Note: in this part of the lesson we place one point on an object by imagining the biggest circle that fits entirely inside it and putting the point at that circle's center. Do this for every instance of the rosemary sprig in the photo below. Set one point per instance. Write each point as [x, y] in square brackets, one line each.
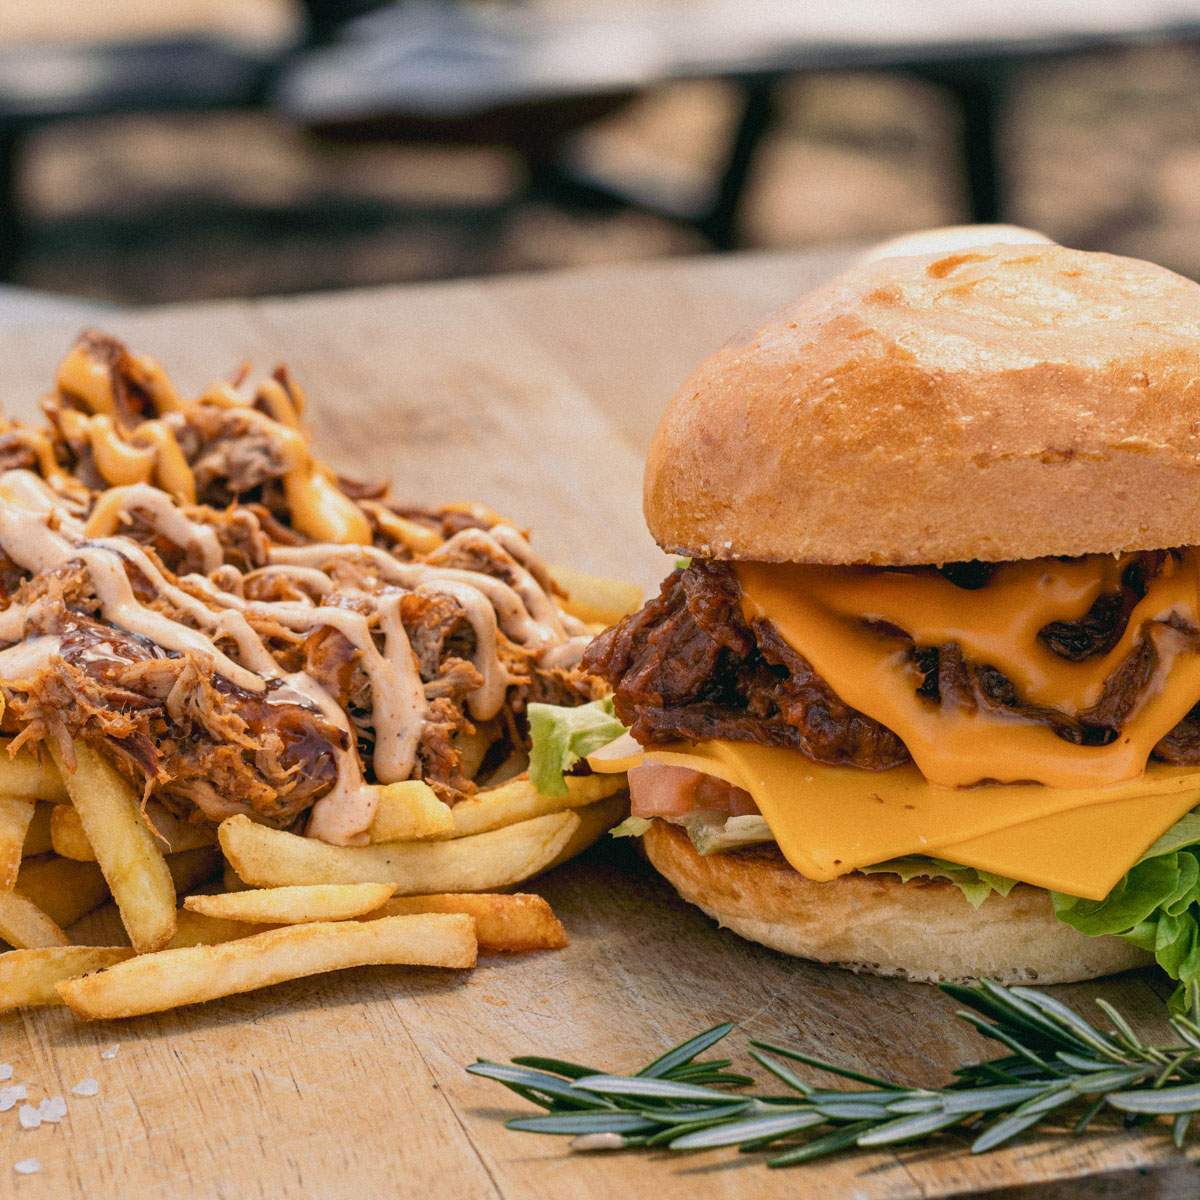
[1056, 1063]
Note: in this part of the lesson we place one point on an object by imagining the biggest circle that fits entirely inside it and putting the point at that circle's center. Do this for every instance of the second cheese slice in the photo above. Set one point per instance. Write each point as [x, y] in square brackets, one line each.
[831, 820]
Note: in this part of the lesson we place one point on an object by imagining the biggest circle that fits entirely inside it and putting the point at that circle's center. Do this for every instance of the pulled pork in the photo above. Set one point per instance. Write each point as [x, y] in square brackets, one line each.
[170, 719]
[689, 666]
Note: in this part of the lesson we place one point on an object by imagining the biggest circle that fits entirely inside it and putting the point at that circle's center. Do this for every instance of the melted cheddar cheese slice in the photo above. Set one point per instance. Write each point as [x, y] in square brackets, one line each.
[826, 615]
[830, 820]
[988, 787]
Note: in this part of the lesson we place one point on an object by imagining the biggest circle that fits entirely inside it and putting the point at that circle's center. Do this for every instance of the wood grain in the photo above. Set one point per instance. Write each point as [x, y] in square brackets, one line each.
[537, 396]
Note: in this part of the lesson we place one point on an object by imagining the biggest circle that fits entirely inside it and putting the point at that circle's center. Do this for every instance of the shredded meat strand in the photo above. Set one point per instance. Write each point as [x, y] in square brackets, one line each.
[689, 666]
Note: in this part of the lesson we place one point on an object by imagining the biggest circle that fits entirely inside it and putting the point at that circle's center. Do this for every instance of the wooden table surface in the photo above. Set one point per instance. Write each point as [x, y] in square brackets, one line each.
[537, 396]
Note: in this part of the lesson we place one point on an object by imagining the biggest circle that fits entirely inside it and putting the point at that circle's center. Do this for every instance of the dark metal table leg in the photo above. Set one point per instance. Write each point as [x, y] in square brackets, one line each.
[720, 222]
[979, 92]
[10, 202]
[981, 103]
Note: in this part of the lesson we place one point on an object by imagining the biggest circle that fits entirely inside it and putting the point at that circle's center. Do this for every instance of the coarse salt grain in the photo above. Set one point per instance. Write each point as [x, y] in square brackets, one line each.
[29, 1117]
[86, 1087]
[52, 1110]
[10, 1095]
[5, 1070]
[27, 1166]
[111, 1052]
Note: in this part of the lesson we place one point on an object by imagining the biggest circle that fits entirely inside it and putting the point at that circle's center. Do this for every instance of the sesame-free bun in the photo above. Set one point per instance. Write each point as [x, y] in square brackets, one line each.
[923, 930]
[997, 402]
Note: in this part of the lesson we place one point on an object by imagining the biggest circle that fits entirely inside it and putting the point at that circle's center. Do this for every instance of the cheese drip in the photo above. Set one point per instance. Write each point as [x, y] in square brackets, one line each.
[826, 613]
[150, 451]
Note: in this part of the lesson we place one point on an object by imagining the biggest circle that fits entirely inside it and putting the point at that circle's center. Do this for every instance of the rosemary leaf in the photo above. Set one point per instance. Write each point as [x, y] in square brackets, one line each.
[686, 1051]
[1054, 1060]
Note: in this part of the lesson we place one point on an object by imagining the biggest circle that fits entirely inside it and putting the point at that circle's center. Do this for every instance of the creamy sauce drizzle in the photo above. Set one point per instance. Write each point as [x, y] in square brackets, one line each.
[39, 532]
[155, 507]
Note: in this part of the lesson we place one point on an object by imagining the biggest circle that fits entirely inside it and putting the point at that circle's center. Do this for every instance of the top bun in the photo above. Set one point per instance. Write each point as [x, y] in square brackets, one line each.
[998, 402]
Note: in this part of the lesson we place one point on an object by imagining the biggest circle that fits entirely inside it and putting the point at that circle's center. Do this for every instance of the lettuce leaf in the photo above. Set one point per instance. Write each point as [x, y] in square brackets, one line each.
[711, 830]
[631, 827]
[976, 885]
[1155, 906]
[714, 832]
[560, 737]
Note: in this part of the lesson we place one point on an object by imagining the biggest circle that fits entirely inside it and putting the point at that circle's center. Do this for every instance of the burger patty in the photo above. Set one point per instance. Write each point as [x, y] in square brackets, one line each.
[689, 666]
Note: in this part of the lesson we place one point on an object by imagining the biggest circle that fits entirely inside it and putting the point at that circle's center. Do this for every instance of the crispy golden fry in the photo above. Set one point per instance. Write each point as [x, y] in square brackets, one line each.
[270, 858]
[594, 822]
[502, 923]
[408, 811]
[595, 599]
[24, 775]
[67, 836]
[63, 889]
[472, 747]
[176, 835]
[15, 818]
[517, 800]
[28, 977]
[515, 764]
[126, 850]
[231, 881]
[295, 905]
[195, 929]
[170, 978]
[190, 868]
[25, 926]
[37, 836]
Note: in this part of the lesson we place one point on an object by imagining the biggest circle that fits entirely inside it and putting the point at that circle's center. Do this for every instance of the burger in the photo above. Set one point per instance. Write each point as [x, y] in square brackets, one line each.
[922, 695]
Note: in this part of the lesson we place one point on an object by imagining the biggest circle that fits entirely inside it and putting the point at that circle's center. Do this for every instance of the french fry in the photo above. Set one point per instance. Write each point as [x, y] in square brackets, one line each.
[512, 922]
[63, 889]
[231, 881]
[408, 811]
[595, 599]
[271, 858]
[67, 836]
[192, 975]
[472, 747]
[295, 905]
[594, 822]
[190, 868]
[24, 926]
[515, 764]
[176, 835]
[15, 817]
[126, 850]
[195, 929]
[37, 836]
[518, 800]
[23, 775]
[28, 977]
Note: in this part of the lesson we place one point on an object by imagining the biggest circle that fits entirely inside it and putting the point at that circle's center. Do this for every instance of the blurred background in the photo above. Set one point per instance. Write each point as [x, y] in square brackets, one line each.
[185, 149]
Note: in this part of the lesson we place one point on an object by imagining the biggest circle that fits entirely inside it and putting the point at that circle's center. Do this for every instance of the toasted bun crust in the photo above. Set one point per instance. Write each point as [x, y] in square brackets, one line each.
[999, 402]
[922, 930]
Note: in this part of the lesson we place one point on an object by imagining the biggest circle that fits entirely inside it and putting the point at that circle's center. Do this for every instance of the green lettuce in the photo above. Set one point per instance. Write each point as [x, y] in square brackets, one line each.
[631, 827]
[976, 885]
[560, 737]
[1155, 906]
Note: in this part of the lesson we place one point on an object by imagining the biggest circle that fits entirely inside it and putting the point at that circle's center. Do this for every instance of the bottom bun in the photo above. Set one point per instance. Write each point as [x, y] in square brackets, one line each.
[923, 930]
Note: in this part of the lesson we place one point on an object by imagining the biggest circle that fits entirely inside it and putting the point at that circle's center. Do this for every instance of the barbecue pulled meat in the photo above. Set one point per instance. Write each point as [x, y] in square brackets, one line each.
[689, 666]
[180, 729]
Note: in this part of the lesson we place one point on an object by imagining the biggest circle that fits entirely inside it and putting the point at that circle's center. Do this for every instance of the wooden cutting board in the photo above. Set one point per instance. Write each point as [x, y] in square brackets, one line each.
[537, 396]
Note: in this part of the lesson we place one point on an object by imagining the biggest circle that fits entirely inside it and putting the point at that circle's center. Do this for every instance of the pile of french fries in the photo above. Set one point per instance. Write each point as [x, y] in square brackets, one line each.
[424, 892]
